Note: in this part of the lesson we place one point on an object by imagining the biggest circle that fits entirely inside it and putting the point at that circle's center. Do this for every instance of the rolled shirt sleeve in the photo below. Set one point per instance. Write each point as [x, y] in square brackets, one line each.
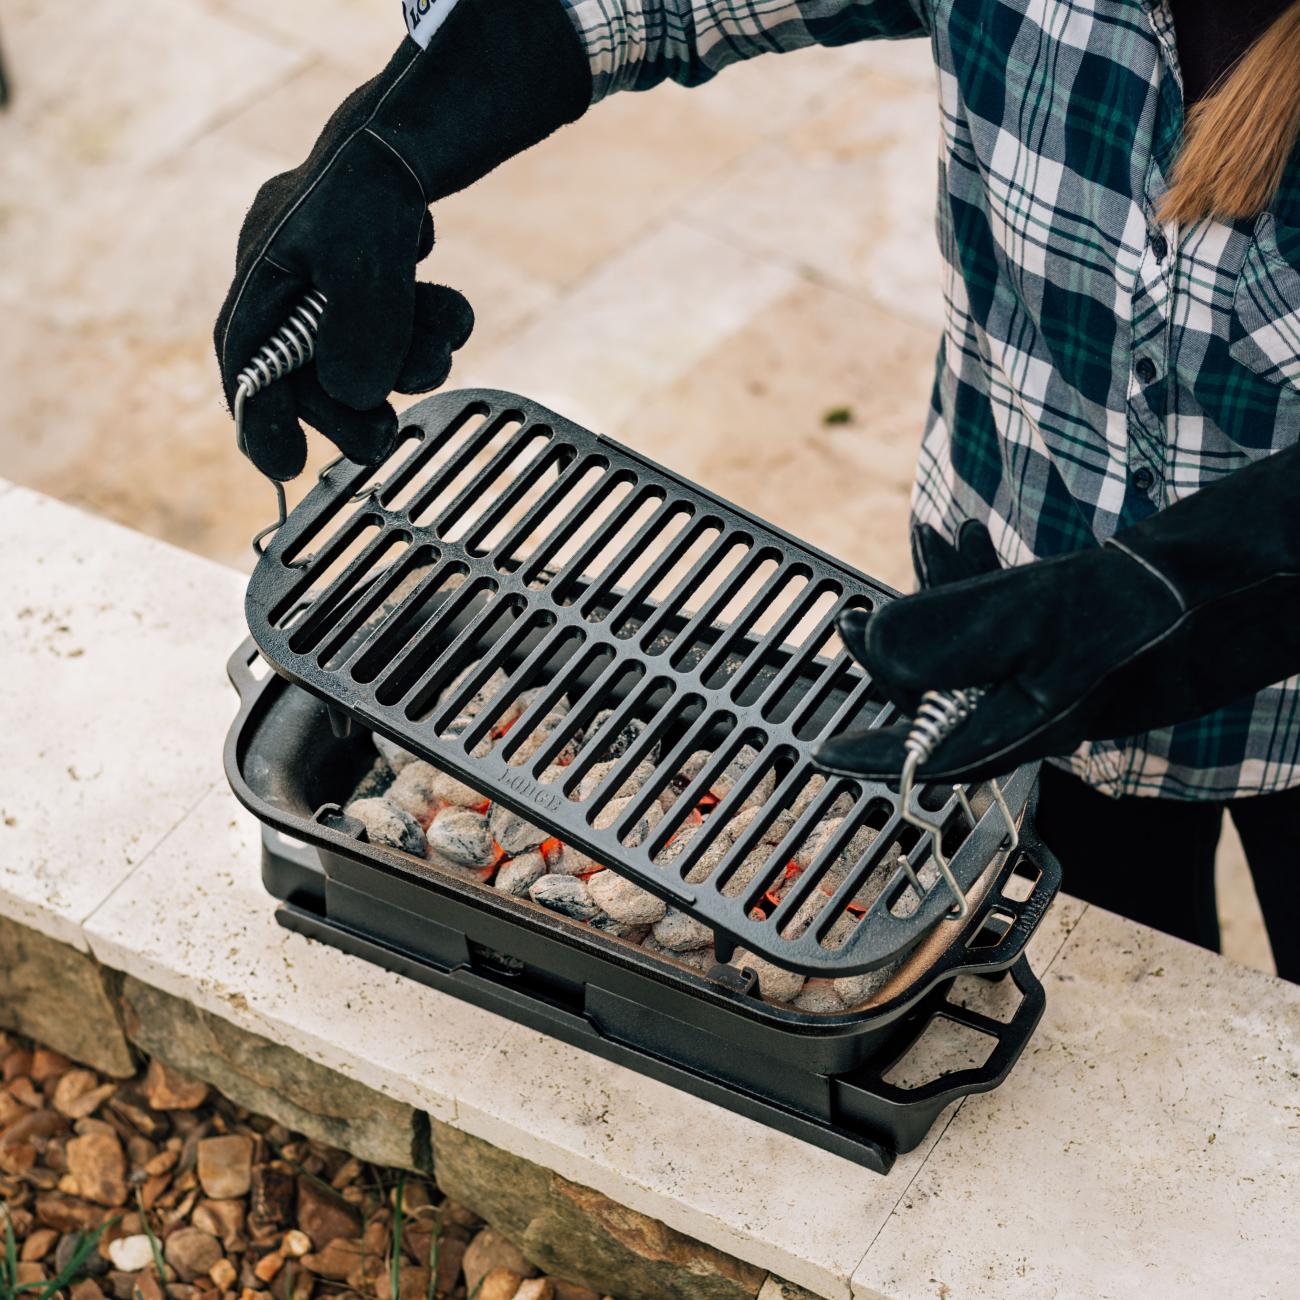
[636, 44]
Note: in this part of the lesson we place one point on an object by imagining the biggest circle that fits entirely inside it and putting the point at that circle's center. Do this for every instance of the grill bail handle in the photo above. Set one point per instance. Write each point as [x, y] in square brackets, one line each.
[290, 348]
[940, 714]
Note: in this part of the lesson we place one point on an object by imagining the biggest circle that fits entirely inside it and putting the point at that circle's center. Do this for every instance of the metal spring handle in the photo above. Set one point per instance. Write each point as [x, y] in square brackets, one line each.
[290, 348]
[939, 714]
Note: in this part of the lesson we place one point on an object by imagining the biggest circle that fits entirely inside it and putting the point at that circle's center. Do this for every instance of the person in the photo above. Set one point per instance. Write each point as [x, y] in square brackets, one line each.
[1107, 504]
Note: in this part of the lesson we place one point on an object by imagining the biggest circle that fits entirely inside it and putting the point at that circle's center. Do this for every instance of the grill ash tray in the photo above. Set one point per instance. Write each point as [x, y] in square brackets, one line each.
[829, 1079]
[537, 610]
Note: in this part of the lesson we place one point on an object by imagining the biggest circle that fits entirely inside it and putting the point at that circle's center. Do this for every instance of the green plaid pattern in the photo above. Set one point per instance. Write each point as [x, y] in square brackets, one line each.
[1095, 367]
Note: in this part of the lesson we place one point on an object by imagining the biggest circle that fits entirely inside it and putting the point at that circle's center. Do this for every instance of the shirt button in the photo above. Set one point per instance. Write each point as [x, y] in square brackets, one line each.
[1143, 479]
[1159, 246]
[1145, 370]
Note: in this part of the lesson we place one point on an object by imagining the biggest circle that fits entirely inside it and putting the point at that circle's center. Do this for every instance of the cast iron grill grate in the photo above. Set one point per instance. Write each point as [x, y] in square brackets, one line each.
[602, 646]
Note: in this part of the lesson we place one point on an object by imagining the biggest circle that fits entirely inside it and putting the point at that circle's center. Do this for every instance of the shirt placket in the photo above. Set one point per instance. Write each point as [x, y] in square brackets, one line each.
[1150, 358]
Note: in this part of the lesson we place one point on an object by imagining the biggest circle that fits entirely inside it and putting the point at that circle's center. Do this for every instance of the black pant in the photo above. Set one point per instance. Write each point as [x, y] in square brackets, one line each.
[1152, 860]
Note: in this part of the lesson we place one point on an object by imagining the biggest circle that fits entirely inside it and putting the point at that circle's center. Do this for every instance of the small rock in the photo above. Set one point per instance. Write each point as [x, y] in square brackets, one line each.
[225, 1166]
[168, 1089]
[490, 1250]
[191, 1252]
[86, 1289]
[69, 1090]
[97, 1165]
[512, 832]
[572, 1291]
[774, 983]
[388, 824]
[412, 1283]
[462, 836]
[323, 1216]
[223, 1274]
[625, 901]
[68, 1214]
[268, 1266]
[539, 1288]
[39, 1244]
[296, 1243]
[131, 1254]
[48, 1064]
[564, 894]
[29, 1273]
[498, 1284]
[93, 1264]
[680, 932]
[516, 876]
[273, 1195]
[147, 1287]
[337, 1261]
[451, 1254]
[392, 753]
[223, 1219]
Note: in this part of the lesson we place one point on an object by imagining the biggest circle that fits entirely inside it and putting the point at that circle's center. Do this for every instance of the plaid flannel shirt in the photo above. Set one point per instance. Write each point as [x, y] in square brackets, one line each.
[1095, 366]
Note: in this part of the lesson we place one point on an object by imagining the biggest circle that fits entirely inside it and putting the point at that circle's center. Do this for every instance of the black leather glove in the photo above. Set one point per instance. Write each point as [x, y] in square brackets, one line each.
[352, 222]
[1193, 608]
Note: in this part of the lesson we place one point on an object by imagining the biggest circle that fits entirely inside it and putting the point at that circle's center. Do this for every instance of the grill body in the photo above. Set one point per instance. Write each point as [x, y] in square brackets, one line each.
[821, 1078]
[501, 542]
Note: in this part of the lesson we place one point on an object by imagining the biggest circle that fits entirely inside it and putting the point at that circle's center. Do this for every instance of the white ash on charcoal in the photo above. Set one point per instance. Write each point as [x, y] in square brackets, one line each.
[462, 836]
[625, 901]
[413, 791]
[853, 990]
[541, 735]
[564, 894]
[518, 875]
[568, 861]
[680, 932]
[819, 996]
[696, 959]
[376, 781]
[392, 753]
[731, 775]
[613, 812]
[773, 982]
[599, 773]
[389, 825]
[515, 834]
[615, 745]
[619, 929]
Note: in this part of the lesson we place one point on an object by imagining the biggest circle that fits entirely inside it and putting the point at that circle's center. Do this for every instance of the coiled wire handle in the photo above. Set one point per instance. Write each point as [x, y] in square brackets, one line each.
[290, 348]
[939, 714]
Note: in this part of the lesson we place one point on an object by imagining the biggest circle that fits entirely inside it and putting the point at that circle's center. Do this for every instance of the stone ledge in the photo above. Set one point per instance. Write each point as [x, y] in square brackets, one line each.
[145, 861]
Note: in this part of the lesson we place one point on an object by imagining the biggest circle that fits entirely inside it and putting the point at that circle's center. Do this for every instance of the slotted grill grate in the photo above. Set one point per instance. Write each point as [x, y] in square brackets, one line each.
[622, 658]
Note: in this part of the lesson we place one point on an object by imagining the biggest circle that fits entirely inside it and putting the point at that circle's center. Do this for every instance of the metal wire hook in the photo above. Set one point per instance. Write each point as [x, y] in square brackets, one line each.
[291, 347]
[939, 715]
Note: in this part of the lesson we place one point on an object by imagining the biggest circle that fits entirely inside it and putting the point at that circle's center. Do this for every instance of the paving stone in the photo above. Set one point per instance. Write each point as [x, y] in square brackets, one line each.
[749, 419]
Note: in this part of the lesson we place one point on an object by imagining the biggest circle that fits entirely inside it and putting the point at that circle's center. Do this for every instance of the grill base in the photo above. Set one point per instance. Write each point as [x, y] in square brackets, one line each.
[854, 1115]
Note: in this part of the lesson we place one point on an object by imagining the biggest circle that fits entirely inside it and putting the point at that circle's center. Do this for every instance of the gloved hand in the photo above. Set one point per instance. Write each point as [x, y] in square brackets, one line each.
[352, 222]
[1193, 608]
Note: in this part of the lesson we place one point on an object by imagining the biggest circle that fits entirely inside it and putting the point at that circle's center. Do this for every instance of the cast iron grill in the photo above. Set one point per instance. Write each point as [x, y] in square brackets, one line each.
[502, 547]
[849, 1081]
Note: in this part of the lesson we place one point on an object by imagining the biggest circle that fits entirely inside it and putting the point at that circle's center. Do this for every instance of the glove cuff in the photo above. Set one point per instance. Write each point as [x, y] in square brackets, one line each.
[1228, 537]
[498, 77]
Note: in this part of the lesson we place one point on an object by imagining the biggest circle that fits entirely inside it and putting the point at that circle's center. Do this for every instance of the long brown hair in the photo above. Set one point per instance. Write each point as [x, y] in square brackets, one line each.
[1238, 139]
